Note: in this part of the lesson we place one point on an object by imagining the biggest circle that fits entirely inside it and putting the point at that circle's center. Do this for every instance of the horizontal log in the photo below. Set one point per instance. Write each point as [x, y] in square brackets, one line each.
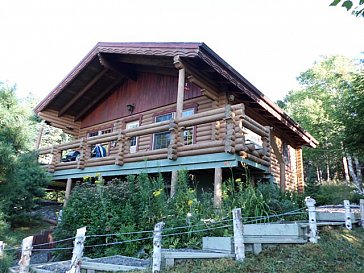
[256, 124]
[203, 114]
[255, 129]
[64, 147]
[59, 168]
[238, 106]
[100, 163]
[67, 163]
[254, 158]
[204, 133]
[202, 145]
[100, 159]
[147, 153]
[102, 140]
[202, 151]
[201, 120]
[203, 138]
[45, 151]
[143, 158]
[148, 129]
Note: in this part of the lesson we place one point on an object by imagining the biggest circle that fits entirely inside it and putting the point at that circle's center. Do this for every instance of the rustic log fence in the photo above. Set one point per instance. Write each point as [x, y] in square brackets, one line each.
[228, 132]
[242, 228]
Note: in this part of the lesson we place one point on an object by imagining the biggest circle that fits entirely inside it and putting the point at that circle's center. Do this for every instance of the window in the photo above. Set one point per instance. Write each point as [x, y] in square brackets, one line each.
[286, 154]
[133, 140]
[188, 132]
[161, 140]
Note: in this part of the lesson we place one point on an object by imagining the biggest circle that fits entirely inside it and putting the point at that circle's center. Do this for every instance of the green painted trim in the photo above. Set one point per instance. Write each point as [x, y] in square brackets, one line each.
[209, 161]
[198, 162]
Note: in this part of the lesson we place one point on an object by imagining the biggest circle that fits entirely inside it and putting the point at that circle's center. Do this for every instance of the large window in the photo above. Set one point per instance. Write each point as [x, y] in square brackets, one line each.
[162, 140]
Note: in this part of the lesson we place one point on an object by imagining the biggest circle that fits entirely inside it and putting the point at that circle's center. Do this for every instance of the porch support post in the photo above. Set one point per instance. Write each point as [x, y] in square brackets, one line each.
[68, 191]
[40, 134]
[181, 86]
[173, 183]
[218, 188]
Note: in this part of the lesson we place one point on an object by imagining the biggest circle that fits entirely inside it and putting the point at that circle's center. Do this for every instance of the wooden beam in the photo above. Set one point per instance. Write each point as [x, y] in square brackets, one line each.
[125, 70]
[68, 191]
[156, 61]
[81, 93]
[201, 83]
[98, 98]
[218, 188]
[181, 86]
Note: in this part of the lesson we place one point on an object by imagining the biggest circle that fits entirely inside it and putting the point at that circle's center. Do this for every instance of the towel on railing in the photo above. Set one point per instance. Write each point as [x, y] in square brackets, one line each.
[99, 151]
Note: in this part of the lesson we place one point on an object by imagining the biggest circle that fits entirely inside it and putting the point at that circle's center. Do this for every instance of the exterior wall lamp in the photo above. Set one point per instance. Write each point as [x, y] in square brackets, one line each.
[130, 108]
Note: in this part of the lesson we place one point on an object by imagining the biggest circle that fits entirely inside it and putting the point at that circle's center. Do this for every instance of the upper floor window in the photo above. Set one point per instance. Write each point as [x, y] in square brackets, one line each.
[163, 139]
[134, 139]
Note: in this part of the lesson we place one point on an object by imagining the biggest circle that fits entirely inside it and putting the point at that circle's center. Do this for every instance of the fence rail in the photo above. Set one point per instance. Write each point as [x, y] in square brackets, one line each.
[246, 236]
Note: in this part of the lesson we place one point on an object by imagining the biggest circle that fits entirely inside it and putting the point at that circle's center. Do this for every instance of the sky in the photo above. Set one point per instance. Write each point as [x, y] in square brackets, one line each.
[269, 42]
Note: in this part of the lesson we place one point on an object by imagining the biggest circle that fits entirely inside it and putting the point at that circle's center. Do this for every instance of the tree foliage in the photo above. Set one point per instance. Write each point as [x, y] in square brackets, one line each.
[356, 7]
[319, 106]
[21, 178]
[353, 116]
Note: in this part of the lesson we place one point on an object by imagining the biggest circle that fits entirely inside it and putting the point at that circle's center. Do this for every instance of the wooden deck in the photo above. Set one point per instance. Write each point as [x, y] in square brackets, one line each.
[225, 145]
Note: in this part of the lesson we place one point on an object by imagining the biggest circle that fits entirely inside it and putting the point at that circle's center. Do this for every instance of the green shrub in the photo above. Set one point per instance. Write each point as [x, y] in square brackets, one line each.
[139, 202]
[334, 194]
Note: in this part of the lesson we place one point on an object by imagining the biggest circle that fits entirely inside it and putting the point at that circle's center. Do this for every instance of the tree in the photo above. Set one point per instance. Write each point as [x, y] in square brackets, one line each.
[317, 106]
[356, 9]
[21, 177]
[353, 116]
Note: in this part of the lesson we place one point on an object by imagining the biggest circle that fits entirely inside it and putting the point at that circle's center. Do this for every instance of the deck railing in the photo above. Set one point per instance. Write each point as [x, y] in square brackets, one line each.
[222, 130]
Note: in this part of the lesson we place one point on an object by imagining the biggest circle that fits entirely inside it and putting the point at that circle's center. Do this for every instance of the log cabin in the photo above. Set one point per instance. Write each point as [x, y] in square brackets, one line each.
[163, 107]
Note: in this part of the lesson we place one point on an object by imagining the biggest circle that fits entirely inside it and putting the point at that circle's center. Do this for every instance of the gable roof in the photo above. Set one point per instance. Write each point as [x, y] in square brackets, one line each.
[108, 64]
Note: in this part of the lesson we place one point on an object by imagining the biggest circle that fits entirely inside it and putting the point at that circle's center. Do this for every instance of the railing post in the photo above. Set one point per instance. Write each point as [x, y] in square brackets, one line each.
[157, 247]
[310, 203]
[77, 251]
[121, 142]
[52, 166]
[26, 252]
[83, 148]
[348, 219]
[238, 235]
[230, 130]
[362, 212]
[172, 147]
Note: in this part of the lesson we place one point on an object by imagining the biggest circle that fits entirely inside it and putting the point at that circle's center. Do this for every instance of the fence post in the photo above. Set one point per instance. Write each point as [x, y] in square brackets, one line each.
[310, 203]
[348, 224]
[77, 251]
[157, 247]
[362, 212]
[26, 251]
[2, 246]
[238, 235]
